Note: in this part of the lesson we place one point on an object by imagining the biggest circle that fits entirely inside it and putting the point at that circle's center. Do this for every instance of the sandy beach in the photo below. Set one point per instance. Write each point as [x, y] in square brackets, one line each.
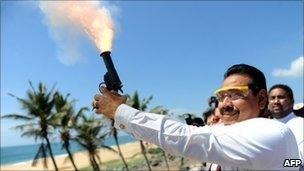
[81, 159]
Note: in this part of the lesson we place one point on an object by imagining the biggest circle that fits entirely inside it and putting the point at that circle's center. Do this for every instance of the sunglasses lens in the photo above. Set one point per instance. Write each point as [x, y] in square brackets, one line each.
[232, 94]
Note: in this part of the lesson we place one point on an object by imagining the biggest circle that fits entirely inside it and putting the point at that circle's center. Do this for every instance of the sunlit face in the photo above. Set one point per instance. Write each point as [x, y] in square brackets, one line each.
[244, 106]
[280, 104]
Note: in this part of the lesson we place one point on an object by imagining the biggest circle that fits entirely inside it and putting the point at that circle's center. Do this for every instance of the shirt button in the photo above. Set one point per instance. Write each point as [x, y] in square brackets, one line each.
[122, 126]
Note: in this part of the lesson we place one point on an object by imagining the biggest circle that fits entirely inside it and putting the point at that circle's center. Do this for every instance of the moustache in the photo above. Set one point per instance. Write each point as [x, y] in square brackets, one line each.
[277, 105]
[229, 110]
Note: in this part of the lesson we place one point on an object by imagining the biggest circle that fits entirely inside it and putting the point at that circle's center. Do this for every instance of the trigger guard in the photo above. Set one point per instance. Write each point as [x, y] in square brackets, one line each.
[99, 86]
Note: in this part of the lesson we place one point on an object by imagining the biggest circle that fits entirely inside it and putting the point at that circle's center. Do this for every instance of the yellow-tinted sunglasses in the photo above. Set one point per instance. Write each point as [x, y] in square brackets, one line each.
[232, 93]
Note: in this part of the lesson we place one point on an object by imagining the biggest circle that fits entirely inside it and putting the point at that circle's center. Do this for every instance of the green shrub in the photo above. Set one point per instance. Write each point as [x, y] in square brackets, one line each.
[155, 150]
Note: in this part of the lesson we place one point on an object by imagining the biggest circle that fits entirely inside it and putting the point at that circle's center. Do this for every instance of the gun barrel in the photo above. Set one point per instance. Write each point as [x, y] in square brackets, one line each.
[108, 61]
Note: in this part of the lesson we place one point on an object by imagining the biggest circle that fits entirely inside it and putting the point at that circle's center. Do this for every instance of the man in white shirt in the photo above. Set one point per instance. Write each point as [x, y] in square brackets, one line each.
[280, 106]
[243, 141]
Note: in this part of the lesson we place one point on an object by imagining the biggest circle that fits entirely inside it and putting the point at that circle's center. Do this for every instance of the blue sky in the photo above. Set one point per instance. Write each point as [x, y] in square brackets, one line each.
[176, 51]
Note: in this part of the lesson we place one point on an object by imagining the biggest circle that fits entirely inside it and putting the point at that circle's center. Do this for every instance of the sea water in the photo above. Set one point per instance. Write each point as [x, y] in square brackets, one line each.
[18, 154]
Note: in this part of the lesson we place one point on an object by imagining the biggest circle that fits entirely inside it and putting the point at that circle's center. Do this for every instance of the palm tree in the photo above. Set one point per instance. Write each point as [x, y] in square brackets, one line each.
[38, 105]
[136, 103]
[90, 137]
[67, 116]
[115, 135]
[162, 111]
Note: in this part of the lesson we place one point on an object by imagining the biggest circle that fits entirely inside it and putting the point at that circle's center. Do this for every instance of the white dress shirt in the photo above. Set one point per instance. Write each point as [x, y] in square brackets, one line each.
[254, 144]
[296, 124]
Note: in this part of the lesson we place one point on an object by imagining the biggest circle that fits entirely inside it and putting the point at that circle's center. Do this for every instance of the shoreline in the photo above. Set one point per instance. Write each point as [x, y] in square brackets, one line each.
[81, 159]
[27, 161]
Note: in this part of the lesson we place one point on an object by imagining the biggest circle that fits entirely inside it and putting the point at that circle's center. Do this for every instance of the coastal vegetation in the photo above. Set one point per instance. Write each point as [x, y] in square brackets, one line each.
[91, 134]
[155, 154]
[68, 118]
[49, 115]
[38, 106]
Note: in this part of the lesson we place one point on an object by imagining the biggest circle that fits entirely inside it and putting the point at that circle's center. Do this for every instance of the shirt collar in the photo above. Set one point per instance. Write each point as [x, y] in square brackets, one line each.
[286, 118]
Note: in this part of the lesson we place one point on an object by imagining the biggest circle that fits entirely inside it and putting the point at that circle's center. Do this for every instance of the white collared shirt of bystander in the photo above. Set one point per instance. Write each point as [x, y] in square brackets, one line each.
[296, 124]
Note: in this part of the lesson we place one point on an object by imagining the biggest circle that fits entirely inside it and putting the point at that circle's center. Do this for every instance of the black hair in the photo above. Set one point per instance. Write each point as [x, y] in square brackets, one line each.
[258, 79]
[284, 87]
[206, 114]
[213, 103]
[195, 121]
[198, 122]
[257, 76]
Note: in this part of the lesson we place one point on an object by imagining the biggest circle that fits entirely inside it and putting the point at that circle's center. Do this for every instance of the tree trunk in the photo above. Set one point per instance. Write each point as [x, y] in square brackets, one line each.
[51, 152]
[71, 157]
[181, 166]
[96, 164]
[166, 161]
[93, 162]
[143, 151]
[118, 147]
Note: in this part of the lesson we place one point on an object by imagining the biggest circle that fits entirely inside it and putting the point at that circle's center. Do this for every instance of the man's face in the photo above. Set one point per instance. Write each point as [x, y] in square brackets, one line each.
[236, 106]
[280, 104]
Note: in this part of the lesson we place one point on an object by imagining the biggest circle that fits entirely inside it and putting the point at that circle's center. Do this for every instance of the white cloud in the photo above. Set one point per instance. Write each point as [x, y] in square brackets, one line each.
[295, 70]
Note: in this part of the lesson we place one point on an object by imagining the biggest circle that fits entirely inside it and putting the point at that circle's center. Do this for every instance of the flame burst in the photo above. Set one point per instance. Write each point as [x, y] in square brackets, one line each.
[94, 19]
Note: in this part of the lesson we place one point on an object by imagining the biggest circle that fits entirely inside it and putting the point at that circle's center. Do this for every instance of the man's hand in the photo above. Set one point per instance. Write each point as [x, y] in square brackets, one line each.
[108, 102]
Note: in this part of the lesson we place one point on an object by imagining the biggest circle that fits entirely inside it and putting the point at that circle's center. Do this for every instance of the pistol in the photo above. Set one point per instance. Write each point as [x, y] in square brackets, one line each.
[111, 78]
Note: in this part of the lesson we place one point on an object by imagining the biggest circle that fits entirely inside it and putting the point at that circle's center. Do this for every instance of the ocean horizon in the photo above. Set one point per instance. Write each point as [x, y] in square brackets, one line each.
[24, 153]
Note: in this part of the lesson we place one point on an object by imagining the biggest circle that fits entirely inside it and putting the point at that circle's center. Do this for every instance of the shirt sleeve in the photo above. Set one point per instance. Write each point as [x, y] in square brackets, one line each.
[245, 144]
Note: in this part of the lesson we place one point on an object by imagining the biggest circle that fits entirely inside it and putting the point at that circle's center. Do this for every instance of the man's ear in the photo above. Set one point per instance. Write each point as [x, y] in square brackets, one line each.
[263, 99]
